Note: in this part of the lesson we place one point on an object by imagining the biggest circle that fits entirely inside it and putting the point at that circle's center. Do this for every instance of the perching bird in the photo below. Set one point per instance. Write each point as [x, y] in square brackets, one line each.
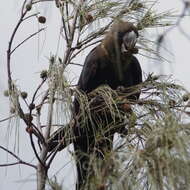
[110, 63]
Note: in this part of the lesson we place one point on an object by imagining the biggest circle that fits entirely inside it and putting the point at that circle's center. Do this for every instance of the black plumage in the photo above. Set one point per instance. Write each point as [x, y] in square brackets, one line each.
[106, 64]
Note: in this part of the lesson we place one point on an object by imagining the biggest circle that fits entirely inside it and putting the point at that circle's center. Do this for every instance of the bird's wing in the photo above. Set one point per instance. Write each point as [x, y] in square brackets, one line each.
[137, 72]
[87, 78]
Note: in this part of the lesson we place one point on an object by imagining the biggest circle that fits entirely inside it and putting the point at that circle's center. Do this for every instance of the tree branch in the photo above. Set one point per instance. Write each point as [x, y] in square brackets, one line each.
[20, 161]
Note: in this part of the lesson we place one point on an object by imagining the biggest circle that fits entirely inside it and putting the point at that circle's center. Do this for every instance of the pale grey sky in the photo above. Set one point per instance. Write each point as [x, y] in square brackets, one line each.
[26, 66]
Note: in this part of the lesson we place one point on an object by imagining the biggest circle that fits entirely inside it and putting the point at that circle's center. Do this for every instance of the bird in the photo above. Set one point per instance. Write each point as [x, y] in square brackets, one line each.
[110, 63]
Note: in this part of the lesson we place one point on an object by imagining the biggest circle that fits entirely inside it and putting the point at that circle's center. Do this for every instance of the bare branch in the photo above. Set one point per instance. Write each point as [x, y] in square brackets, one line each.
[35, 152]
[8, 118]
[10, 47]
[20, 161]
[32, 35]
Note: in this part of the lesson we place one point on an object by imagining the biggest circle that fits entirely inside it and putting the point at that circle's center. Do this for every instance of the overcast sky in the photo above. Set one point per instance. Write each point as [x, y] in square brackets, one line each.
[26, 66]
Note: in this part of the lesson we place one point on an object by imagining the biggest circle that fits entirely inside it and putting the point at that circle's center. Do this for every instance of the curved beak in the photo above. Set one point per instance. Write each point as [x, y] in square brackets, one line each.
[130, 40]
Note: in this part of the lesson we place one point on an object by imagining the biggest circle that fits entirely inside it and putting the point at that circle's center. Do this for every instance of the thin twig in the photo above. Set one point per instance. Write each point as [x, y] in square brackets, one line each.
[10, 47]
[20, 161]
[65, 29]
[35, 152]
[77, 64]
[23, 6]
[7, 118]
[32, 35]
[38, 134]
[30, 16]
[72, 32]
[67, 15]
[40, 85]
[82, 49]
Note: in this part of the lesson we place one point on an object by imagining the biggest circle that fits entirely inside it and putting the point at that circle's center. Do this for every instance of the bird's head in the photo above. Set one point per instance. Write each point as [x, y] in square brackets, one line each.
[130, 40]
[127, 35]
[122, 38]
